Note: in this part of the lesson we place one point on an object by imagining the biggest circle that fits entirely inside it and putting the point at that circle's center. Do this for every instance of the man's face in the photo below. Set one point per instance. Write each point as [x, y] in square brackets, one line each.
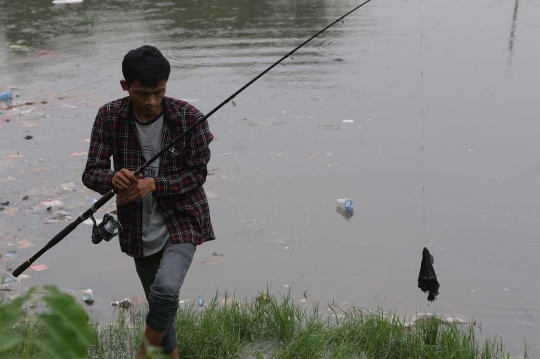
[146, 100]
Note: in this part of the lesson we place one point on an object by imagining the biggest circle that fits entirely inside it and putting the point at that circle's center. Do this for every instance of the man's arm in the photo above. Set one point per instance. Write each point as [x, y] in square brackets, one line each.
[97, 174]
[194, 174]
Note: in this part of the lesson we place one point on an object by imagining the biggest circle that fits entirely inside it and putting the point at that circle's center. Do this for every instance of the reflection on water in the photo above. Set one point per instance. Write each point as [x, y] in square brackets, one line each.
[217, 33]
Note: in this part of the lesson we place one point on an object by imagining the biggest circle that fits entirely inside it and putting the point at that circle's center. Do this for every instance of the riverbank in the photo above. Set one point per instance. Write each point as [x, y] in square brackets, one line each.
[277, 326]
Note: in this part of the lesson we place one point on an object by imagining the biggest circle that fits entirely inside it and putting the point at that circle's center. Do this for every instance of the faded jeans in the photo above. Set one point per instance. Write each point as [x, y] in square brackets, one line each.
[162, 275]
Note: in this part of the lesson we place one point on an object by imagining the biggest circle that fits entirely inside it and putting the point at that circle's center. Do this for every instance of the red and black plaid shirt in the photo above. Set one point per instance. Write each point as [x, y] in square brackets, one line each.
[182, 170]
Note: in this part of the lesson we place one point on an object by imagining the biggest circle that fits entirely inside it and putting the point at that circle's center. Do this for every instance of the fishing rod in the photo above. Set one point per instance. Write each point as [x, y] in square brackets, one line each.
[106, 229]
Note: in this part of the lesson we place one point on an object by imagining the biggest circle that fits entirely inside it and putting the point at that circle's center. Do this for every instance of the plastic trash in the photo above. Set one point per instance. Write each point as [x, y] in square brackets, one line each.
[38, 267]
[52, 203]
[7, 281]
[89, 298]
[345, 203]
[8, 95]
[201, 302]
[124, 303]
[18, 47]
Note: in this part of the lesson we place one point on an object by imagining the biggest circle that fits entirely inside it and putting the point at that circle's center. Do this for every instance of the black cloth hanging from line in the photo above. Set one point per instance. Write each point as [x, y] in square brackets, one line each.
[427, 279]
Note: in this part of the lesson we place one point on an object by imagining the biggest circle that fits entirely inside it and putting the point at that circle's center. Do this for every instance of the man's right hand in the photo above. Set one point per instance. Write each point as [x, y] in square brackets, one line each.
[124, 179]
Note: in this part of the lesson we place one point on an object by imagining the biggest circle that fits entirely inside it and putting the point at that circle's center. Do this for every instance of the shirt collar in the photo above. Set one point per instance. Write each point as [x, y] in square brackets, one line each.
[125, 111]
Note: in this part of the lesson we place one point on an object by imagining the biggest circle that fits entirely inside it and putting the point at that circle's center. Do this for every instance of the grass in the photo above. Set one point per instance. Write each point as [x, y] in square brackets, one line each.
[275, 327]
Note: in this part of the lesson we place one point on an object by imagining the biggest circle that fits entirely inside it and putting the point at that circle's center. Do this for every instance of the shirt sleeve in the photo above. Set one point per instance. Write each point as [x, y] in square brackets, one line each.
[97, 174]
[194, 173]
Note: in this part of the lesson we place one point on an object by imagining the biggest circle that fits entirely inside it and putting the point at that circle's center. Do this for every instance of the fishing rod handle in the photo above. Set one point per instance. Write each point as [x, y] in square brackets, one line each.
[21, 268]
[67, 230]
[62, 234]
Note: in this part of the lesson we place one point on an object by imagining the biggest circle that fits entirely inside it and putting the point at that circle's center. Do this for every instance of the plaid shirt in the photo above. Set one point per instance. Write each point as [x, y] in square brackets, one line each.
[182, 171]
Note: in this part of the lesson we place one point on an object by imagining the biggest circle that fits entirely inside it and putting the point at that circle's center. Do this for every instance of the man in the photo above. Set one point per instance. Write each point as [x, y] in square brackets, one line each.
[164, 213]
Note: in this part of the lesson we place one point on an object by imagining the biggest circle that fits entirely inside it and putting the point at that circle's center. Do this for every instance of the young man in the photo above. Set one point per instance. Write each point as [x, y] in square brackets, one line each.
[164, 213]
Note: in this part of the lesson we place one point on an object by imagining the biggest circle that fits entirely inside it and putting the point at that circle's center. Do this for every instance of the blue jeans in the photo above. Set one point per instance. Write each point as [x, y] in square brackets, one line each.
[162, 275]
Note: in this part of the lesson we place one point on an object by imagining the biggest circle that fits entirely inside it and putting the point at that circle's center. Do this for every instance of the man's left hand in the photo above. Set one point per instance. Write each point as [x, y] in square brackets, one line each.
[136, 191]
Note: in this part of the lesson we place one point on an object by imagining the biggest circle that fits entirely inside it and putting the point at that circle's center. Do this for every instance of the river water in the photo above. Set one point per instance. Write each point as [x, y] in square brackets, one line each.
[425, 113]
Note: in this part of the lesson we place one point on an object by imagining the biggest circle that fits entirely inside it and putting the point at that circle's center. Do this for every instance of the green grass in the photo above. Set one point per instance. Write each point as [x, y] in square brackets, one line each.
[276, 327]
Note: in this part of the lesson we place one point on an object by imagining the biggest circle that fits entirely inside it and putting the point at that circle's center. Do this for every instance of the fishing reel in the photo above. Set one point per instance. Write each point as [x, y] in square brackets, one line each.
[106, 230]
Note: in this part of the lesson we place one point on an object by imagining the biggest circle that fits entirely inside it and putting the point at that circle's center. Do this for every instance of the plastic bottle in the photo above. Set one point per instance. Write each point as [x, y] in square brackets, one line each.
[345, 203]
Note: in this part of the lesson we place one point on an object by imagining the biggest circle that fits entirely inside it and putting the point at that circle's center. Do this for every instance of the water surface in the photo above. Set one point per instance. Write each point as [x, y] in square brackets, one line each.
[442, 151]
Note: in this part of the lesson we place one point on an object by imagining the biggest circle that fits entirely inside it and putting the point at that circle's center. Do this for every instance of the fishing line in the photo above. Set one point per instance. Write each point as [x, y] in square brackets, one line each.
[110, 194]
[422, 117]
[427, 279]
[422, 130]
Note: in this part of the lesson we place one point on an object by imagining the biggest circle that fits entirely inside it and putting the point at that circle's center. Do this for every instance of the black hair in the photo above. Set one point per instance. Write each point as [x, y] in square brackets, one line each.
[146, 64]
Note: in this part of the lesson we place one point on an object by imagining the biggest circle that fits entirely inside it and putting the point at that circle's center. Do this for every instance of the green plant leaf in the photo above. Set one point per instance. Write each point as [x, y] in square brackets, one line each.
[10, 356]
[68, 334]
[9, 340]
[10, 314]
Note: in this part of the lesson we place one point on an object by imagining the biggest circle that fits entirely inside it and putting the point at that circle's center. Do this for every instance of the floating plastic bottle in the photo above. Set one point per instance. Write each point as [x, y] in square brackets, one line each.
[6, 96]
[345, 204]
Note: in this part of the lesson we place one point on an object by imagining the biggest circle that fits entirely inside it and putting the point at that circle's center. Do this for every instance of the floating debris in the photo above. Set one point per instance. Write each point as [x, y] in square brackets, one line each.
[345, 203]
[263, 298]
[75, 154]
[58, 216]
[5, 96]
[66, 2]
[89, 298]
[52, 203]
[211, 260]
[38, 267]
[124, 303]
[330, 127]
[426, 318]
[25, 244]
[18, 47]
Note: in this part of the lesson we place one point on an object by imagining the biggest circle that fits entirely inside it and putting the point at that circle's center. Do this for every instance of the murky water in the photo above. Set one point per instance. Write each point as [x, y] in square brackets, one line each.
[284, 154]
